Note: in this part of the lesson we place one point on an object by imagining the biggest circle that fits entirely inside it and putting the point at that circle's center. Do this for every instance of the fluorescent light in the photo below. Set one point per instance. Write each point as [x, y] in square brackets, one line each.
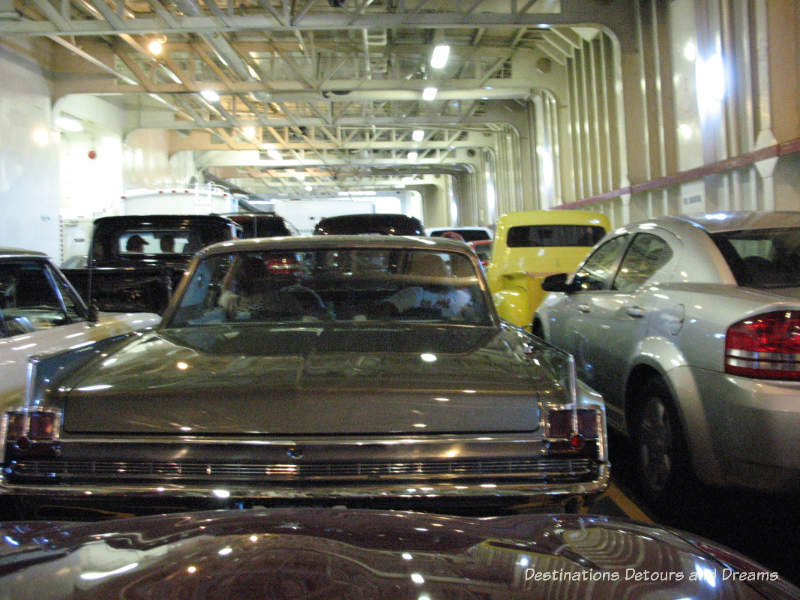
[440, 56]
[210, 95]
[417, 135]
[68, 124]
[249, 131]
[429, 93]
[413, 155]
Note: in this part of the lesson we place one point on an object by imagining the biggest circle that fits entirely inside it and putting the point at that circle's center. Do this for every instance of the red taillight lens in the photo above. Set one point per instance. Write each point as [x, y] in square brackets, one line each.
[765, 346]
[559, 424]
[33, 426]
[16, 425]
[283, 266]
[43, 426]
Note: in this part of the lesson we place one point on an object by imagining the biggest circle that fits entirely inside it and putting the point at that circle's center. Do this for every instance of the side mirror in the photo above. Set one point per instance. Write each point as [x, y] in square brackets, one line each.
[556, 283]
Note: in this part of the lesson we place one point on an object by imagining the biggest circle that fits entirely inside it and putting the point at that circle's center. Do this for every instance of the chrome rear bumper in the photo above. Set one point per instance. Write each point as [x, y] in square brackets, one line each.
[500, 492]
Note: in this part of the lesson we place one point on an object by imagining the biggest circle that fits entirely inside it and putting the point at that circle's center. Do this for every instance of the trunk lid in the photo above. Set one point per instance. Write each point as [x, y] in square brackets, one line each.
[310, 381]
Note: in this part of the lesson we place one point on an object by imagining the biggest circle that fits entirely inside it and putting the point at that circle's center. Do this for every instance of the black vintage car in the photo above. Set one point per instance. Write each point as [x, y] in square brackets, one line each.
[380, 223]
[356, 370]
[339, 554]
[136, 261]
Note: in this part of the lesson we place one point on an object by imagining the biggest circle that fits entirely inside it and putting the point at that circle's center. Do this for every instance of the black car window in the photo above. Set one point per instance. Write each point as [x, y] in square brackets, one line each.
[536, 236]
[646, 254]
[594, 273]
[28, 300]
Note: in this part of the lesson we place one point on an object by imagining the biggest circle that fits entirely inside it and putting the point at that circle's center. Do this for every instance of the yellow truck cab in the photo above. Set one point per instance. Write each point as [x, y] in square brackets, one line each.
[529, 246]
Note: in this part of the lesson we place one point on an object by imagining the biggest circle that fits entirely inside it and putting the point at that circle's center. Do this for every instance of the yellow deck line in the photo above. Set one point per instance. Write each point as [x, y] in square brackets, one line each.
[626, 504]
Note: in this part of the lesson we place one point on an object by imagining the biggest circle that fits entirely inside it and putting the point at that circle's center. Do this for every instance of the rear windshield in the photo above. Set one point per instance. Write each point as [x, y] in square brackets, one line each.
[341, 284]
[762, 258]
[534, 236]
[126, 240]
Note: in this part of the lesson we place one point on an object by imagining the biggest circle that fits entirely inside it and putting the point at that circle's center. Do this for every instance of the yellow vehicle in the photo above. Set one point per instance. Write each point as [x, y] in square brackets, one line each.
[529, 246]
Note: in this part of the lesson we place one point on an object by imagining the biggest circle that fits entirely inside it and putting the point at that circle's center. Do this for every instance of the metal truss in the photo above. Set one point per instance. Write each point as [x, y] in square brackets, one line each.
[305, 79]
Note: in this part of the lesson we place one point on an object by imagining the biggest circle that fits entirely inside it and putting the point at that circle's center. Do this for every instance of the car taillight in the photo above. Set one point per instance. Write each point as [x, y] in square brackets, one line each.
[560, 424]
[765, 346]
[33, 426]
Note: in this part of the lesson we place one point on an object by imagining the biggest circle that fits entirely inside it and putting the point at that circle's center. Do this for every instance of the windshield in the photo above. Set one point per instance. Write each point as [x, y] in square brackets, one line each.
[34, 297]
[762, 258]
[342, 284]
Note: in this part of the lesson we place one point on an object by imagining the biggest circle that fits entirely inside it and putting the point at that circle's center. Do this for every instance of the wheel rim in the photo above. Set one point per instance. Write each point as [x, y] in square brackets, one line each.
[655, 444]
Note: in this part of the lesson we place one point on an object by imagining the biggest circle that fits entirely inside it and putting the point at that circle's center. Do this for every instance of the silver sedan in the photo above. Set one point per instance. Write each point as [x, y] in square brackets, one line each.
[690, 328]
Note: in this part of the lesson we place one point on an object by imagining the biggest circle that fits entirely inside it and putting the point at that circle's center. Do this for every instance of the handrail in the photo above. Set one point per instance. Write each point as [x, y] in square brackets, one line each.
[722, 166]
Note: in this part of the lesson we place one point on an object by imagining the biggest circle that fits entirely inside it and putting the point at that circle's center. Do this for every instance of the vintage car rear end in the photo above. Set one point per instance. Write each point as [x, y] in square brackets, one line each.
[372, 372]
[529, 246]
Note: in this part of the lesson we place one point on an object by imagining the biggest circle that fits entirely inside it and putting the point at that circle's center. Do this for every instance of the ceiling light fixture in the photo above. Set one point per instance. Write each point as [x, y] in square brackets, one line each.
[68, 124]
[249, 132]
[429, 93]
[156, 45]
[210, 95]
[418, 135]
[439, 56]
[413, 155]
[274, 154]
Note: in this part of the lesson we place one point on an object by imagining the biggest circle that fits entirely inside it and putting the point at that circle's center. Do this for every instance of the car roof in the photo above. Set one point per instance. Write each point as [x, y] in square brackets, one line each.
[371, 223]
[553, 217]
[161, 220]
[16, 252]
[332, 242]
[737, 220]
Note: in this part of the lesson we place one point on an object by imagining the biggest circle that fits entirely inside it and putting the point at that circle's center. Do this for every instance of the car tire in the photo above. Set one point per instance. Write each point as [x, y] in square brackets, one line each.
[661, 458]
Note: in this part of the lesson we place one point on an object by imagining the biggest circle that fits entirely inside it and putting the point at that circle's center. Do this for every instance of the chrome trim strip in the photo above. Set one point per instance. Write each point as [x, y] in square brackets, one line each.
[338, 440]
[544, 493]
[772, 356]
[536, 468]
[767, 365]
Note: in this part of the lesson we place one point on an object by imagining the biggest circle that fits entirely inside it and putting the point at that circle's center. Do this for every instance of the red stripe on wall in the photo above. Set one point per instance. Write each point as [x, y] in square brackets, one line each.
[722, 166]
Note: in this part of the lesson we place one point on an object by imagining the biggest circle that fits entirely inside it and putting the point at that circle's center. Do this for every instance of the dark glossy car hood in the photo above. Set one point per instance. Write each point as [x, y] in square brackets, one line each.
[336, 379]
[352, 554]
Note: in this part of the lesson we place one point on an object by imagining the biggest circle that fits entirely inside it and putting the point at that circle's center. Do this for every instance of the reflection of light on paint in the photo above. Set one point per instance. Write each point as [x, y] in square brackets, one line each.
[94, 575]
[524, 561]
[706, 574]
